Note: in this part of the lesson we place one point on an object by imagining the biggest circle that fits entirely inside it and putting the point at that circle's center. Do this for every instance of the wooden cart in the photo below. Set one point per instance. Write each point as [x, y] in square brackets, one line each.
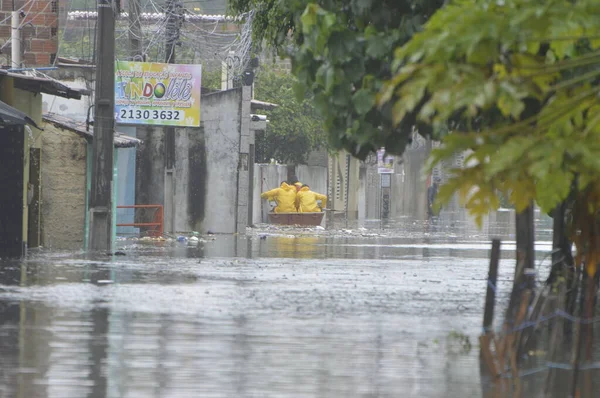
[301, 219]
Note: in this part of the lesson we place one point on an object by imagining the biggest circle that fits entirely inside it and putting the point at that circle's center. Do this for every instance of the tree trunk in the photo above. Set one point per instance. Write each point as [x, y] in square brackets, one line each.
[524, 272]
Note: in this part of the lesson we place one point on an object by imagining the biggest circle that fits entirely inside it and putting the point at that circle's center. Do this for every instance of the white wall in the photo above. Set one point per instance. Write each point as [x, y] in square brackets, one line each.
[313, 176]
[71, 108]
[221, 132]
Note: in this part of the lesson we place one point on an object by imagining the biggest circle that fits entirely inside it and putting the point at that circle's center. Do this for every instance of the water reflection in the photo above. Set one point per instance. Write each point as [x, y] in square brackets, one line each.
[280, 316]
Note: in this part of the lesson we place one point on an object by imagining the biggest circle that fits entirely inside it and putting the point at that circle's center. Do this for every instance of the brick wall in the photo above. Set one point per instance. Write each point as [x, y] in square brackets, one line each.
[39, 30]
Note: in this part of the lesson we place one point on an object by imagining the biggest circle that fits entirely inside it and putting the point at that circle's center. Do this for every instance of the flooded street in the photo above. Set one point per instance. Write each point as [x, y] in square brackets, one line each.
[369, 311]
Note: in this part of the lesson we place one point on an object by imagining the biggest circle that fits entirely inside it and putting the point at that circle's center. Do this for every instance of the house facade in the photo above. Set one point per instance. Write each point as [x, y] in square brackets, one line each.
[66, 180]
[20, 143]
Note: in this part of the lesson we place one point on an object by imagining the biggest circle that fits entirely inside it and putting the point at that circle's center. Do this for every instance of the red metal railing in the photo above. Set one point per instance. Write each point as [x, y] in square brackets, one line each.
[156, 227]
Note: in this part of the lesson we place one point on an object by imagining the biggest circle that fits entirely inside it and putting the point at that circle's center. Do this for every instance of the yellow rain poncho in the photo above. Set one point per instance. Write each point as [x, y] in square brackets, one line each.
[285, 196]
[307, 201]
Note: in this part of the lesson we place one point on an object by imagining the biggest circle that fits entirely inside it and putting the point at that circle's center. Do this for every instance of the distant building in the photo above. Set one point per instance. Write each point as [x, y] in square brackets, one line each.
[20, 157]
[39, 31]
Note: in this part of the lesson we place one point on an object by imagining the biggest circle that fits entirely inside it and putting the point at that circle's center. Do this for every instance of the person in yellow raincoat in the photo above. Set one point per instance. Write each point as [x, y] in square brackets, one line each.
[307, 200]
[294, 181]
[285, 196]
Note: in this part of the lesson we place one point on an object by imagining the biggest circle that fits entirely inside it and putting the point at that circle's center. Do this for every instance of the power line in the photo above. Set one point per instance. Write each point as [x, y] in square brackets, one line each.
[206, 39]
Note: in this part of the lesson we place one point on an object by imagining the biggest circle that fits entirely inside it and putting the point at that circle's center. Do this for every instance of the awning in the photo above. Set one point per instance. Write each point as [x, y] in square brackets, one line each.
[13, 116]
[44, 85]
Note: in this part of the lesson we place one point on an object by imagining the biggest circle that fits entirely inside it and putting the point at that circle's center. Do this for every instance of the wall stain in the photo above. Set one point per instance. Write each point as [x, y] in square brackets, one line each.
[197, 179]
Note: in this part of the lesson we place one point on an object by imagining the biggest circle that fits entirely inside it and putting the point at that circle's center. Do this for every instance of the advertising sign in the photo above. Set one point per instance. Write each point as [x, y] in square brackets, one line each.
[385, 163]
[157, 94]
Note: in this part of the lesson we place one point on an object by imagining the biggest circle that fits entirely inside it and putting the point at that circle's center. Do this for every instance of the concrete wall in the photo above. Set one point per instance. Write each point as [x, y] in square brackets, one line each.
[63, 188]
[209, 188]
[150, 167]
[313, 176]
[408, 195]
[270, 176]
[409, 185]
[371, 192]
[245, 161]
[343, 186]
[71, 108]
[213, 154]
[318, 158]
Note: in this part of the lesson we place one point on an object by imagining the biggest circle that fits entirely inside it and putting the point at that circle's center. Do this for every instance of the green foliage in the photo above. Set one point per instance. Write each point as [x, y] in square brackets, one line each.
[211, 79]
[535, 66]
[73, 45]
[342, 52]
[294, 129]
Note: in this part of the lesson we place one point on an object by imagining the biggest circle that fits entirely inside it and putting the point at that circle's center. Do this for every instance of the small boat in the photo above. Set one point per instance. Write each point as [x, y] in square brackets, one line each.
[303, 219]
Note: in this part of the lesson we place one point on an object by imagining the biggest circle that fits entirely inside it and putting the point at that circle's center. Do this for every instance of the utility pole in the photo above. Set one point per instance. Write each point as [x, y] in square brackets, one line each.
[135, 32]
[174, 14]
[15, 38]
[104, 123]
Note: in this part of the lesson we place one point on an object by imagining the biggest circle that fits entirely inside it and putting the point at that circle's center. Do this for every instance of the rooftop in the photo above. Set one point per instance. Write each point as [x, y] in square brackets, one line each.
[121, 140]
[45, 85]
[154, 16]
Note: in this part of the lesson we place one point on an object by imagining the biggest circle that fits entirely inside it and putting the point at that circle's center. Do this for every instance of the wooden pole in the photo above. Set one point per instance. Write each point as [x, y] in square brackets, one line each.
[104, 121]
[135, 32]
[576, 344]
[588, 331]
[556, 343]
[490, 297]
[174, 13]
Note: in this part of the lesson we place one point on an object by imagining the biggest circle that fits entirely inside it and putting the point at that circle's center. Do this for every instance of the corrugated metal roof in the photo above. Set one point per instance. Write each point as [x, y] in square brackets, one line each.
[44, 85]
[121, 140]
[154, 16]
[12, 116]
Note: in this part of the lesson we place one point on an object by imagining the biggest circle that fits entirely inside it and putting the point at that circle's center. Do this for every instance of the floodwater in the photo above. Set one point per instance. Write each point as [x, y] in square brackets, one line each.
[373, 311]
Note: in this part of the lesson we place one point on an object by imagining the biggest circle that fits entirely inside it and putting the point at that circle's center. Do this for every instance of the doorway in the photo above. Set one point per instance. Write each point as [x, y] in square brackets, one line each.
[12, 143]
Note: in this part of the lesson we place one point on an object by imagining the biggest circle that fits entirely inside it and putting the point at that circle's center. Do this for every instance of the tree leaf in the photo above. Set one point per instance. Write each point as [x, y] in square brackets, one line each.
[363, 100]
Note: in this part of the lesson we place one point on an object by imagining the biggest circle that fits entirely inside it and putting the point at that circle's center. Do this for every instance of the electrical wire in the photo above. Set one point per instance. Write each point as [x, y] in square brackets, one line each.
[202, 38]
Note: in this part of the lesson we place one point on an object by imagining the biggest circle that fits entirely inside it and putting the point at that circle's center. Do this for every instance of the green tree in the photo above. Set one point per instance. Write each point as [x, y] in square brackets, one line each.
[534, 66]
[342, 52]
[211, 79]
[295, 129]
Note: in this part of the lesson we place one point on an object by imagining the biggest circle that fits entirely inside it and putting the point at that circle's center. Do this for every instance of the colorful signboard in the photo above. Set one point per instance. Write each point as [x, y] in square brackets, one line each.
[157, 94]
[385, 163]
